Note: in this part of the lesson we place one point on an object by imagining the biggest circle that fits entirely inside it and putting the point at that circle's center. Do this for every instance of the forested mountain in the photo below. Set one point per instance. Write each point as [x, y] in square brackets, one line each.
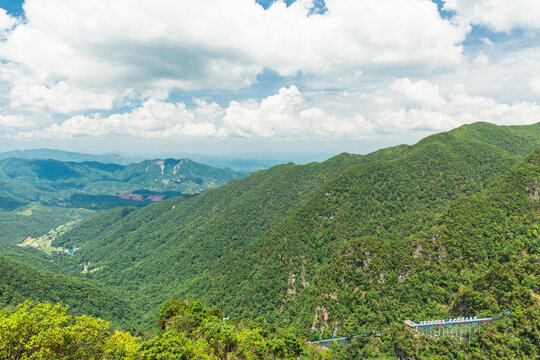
[446, 227]
[37, 196]
[389, 199]
[98, 185]
[235, 245]
[185, 237]
[478, 258]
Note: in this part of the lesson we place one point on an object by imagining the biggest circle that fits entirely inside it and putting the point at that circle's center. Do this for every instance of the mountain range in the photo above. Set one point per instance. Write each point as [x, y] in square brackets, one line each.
[97, 185]
[445, 227]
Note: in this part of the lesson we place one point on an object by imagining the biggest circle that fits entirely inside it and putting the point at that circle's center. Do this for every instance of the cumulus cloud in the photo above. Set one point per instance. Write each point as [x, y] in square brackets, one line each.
[394, 62]
[535, 85]
[7, 22]
[500, 15]
[459, 108]
[61, 97]
[277, 116]
[102, 52]
[421, 92]
[154, 119]
[15, 121]
[287, 116]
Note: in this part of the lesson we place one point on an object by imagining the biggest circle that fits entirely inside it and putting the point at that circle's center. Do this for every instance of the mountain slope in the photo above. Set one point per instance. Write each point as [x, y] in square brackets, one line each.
[20, 282]
[252, 232]
[481, 257]
[156, 248]
[387, 199]
[35, 220]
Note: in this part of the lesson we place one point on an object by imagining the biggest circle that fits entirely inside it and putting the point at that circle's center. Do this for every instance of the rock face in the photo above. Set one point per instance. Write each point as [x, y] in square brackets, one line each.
[533, 190]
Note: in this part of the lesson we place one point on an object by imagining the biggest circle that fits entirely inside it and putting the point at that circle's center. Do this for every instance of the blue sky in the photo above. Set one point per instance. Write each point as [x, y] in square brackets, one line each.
[230, 77]
[13, 7]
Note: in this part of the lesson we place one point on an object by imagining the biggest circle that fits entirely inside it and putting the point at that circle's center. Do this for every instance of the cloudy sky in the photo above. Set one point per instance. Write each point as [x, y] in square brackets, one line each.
[251, 77]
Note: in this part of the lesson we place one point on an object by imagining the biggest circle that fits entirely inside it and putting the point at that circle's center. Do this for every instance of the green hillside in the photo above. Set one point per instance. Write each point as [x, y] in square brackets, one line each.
[235, 245]
[480, 257]
[20, 282]
[158, 247]
[387, 199]
[34, 219]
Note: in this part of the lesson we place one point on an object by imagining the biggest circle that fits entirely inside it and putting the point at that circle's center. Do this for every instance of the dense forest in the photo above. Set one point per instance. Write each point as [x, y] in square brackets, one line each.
[448, 227]
[188, 330]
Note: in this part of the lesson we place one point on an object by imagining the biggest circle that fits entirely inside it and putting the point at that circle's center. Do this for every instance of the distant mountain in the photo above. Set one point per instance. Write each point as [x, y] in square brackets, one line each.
[237, 164]
[61, 155]
[96, 185]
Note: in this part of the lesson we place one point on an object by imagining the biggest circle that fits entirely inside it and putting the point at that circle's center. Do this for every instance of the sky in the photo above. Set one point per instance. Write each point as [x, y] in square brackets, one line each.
[252, 78]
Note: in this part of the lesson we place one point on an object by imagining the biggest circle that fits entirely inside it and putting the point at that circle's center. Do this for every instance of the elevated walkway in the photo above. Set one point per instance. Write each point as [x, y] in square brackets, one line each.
[344, 340]
[460, 327]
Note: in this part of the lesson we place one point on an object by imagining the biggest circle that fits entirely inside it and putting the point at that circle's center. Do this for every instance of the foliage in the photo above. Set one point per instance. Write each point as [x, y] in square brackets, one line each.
[20, 282]
[45, 331]
[186, 236]
[194, 331]
[375, 206]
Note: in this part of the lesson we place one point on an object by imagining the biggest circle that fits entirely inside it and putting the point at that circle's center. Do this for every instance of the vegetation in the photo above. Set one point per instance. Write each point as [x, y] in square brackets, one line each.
[189, 331]
[46, 331]
[35, 220]
[447, 227]
[20, 282]
[387, 200]
[187, 236]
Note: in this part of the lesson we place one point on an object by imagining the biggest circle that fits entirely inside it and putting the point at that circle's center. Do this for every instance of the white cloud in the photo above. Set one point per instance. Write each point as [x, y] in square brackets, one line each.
[421, 92]
[460, 108]
[7, 22]
[15, 121]
[386, 66]
[105, 51]
[61, 97]
[413, 120]
[153, 119]
[287, 116]
[500, 15]
[275, 116]
[535, 85]
[481, 59]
